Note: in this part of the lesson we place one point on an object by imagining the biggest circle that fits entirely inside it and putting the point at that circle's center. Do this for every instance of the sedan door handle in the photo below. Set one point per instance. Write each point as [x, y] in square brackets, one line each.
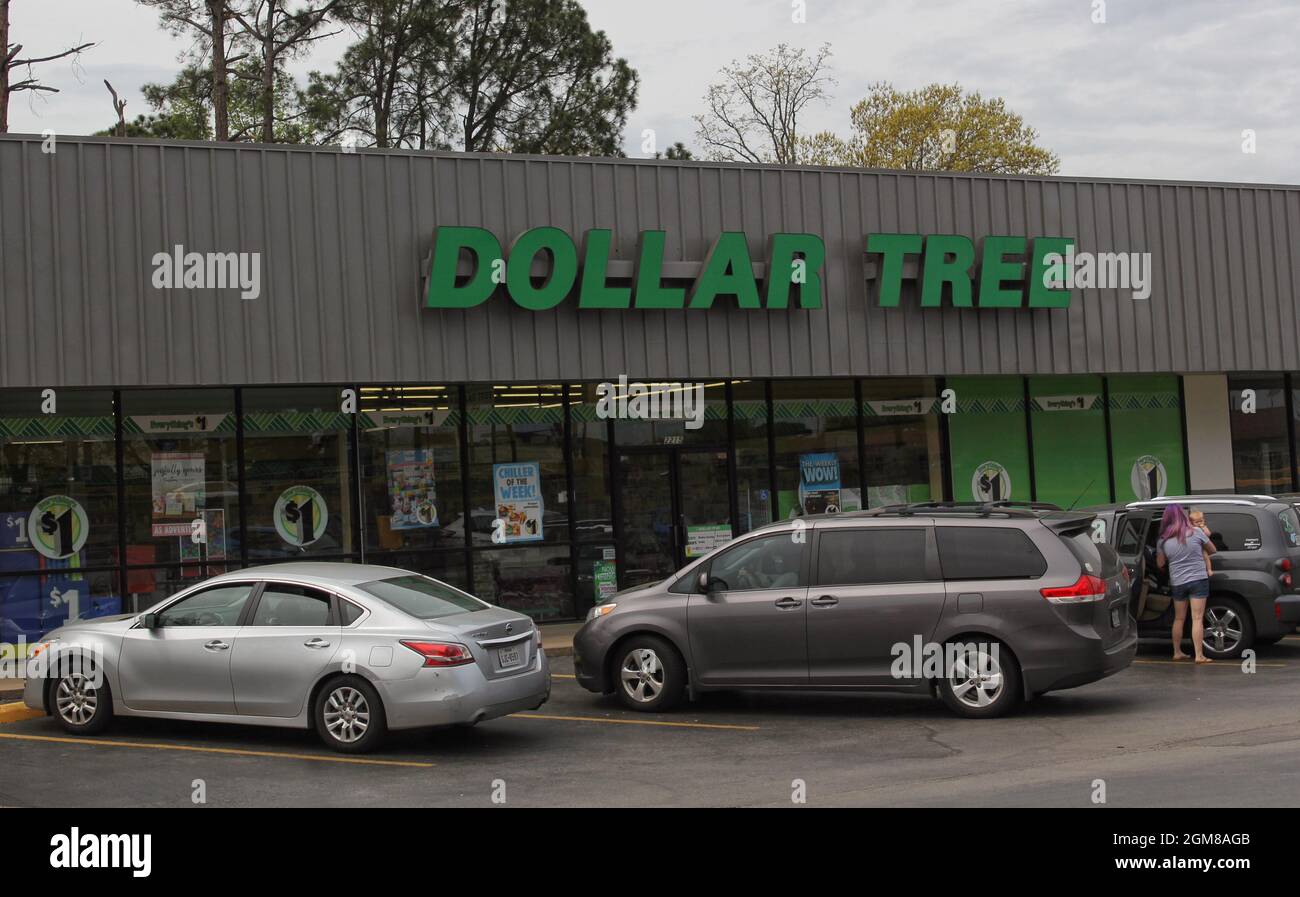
[216, 645]
[824, 601]
[788, 603]
[316, 643]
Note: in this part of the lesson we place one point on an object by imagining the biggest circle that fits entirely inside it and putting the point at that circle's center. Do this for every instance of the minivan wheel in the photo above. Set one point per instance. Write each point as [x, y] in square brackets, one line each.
[650, 674]
[981, 682]
[349, 716]
[1229, 627]
[82, 703]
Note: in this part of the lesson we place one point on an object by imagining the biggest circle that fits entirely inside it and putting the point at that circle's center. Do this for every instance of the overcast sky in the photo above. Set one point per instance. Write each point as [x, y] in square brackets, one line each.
[1163, 89]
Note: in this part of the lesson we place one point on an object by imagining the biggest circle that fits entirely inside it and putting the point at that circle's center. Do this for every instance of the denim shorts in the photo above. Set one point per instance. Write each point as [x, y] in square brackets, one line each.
[1197, 588]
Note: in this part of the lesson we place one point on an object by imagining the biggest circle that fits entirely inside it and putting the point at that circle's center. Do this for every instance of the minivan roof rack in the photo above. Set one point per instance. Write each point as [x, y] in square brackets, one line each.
[1007, 507]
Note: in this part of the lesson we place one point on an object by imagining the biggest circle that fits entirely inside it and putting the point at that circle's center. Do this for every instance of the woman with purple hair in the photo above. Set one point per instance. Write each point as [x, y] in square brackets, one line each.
[1185, 549]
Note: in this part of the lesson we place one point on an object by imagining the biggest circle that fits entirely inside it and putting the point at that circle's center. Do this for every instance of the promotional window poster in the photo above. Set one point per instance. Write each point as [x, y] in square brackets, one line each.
[412, 492]
[179, 491]
[519, 500]
[819, 482]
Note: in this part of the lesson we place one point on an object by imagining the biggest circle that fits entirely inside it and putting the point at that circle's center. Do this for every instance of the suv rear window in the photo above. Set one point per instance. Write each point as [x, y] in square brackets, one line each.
[421, 597]
[988, 552]
[1290, 527]
[865, 556]
[1233, 532]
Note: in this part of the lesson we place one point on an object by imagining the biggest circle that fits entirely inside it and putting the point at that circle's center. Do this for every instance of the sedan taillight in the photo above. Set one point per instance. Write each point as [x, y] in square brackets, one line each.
[441, 654]
[1087, 588]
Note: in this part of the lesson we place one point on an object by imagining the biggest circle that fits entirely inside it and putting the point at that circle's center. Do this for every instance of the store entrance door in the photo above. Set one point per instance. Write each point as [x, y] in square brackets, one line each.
[675, 505]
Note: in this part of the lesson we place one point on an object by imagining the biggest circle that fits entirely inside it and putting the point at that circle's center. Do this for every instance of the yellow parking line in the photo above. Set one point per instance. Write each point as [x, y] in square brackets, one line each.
[17, 712]
[563, 676]
[635, 722]
[325, 758]
[1218, 664]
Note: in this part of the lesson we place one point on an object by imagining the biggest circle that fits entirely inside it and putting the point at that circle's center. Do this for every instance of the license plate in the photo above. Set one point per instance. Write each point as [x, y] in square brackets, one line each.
[1115, 617]
[510, 657]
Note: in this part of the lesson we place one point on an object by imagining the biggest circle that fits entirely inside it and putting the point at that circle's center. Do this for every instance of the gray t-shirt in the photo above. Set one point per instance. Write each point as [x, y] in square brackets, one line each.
[1186, 560]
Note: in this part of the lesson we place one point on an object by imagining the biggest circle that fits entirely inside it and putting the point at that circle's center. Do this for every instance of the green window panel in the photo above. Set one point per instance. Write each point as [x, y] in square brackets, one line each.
[1146, 436]
[1068, 421]
[988, 449]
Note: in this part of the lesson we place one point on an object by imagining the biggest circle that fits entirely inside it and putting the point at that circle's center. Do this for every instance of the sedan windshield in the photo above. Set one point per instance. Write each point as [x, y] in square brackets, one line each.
[421, 597]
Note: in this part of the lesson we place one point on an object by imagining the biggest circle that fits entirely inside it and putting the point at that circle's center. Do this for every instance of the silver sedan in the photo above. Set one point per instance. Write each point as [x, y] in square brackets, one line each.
[349, 650]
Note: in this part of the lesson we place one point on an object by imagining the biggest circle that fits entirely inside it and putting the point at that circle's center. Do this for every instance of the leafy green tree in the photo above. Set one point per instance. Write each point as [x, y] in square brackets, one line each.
[939, 127]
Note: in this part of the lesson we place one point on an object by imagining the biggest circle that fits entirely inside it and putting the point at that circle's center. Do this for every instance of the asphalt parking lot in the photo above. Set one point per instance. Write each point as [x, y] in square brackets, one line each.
[1159, 734]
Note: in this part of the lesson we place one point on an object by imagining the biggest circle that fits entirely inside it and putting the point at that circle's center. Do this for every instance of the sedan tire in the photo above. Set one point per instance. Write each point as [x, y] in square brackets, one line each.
[349, 716]
[982, 683]
[81, 705]
[649, 674]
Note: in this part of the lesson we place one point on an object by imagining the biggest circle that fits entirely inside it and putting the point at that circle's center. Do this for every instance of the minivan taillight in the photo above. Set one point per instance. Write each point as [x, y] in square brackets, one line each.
[441, 654]
[1087, 588]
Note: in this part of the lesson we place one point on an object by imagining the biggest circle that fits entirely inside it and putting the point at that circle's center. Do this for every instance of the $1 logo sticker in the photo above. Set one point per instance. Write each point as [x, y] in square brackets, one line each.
[58, 527]
[300, 515]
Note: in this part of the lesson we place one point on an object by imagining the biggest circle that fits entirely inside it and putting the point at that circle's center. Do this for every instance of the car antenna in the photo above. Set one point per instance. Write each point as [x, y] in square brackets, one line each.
[1081, 494]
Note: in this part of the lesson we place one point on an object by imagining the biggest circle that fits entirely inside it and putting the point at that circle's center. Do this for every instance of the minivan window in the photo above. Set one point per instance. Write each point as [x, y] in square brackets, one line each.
[1087, 552]
[1130, 536]
[421, 597]
[1233, 532]
[988, 552]
[866, 556]
[770, 562]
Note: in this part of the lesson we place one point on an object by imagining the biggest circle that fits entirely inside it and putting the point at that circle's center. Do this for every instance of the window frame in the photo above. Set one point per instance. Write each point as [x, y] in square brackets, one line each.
[804, 561]
[933, 572]
[331, 621]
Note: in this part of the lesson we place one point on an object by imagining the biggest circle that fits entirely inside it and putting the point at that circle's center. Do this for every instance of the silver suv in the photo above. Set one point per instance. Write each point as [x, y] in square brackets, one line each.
[981, 604]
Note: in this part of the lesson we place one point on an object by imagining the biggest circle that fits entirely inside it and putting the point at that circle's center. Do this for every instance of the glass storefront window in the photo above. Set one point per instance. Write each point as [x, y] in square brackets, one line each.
[58, 481]
[816, 428]
[753, 470]
[181, 475]
[674, 400]
[447, 566]
[900, 423]
[1261, 444]
[297, 473]
[1068, 419]
[987, 442]
[589, 455]
[530, 579]
[516, 464]
[34, 603]
[1146, 436]
[410, 468]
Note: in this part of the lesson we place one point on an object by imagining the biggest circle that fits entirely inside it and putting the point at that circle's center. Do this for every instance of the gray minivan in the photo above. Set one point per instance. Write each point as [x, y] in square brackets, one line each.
[981, 604]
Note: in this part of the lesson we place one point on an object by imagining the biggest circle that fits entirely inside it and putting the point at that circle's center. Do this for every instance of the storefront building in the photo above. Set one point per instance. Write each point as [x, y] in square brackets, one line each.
[544, 379]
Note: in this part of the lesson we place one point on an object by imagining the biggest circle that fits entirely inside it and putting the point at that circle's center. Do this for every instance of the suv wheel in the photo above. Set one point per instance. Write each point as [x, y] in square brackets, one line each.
[650, 675]
[1229, 627]
[982, 681]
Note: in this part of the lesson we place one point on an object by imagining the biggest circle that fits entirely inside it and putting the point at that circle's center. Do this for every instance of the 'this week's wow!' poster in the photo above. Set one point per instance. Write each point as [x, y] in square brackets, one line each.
[519, 500]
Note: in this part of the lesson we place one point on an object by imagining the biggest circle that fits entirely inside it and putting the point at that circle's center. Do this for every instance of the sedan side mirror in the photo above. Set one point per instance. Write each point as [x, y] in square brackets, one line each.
[150, 621]
[702, 582]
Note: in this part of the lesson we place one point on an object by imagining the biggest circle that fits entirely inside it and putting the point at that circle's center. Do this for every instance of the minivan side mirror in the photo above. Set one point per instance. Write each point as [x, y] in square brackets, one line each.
[150, 621]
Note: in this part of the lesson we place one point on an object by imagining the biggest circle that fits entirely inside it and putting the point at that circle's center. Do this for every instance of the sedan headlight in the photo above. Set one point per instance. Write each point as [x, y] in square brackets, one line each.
[600, 610]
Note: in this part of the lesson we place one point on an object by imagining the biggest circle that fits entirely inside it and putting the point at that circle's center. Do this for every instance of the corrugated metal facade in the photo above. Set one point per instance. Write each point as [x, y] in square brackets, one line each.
[344, 237]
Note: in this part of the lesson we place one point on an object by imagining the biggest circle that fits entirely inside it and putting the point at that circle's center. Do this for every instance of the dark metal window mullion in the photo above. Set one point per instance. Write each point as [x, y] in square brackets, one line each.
[119, 455]
[733, 499]
[945, 450]
[862, 446]
[773, 503]
[358, 514]
[242, 477]
[1110, 445]
[616, 500]
[464, 487]
[578, 610]
[1290, 428]
[1029, 439]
